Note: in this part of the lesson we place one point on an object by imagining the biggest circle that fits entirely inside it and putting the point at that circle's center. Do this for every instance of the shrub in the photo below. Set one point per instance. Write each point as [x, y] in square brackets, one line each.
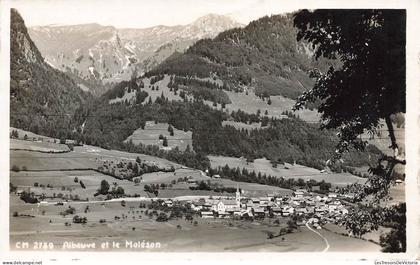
[70, 210]
[28, 197]
[79, 220]
[162, 217]
[82, 184]
[15, 134]
[15, 168]
[71, 147]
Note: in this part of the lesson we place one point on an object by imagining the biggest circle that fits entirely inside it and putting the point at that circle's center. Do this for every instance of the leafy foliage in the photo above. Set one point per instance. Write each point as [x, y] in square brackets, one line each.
[369, 86]
[395, 241]
[370, 83]
[362, 219]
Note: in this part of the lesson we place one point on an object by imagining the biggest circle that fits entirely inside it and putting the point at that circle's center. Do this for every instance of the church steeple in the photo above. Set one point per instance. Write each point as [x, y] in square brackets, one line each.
[238, 195]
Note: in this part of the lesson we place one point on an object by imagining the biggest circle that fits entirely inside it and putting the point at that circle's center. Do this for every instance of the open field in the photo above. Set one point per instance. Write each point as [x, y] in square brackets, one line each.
[175, 235]
[253, 189]
[83, 157]
[62, 182]
[373, 235]
[162, 88]
[286, 171]
[41, 146]
[59, 171]
[31, 135]
[251, 104]
[241, 125]
[151, 132]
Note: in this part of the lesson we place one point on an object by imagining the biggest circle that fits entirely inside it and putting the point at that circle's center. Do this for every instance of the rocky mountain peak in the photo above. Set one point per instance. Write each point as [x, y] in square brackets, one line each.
[108, 54]
[216, 20]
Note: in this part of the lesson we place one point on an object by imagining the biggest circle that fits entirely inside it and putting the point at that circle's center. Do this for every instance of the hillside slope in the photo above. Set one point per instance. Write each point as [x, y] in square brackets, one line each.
[264, 55]
[37, 89]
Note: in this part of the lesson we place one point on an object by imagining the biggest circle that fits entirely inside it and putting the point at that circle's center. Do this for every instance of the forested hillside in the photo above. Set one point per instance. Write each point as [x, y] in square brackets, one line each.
[36, 89]
[264, 55]
[281, 140]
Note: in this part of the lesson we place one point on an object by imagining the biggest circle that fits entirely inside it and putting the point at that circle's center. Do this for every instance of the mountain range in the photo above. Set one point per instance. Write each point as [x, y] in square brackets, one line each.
[111, 55]
[47, 101]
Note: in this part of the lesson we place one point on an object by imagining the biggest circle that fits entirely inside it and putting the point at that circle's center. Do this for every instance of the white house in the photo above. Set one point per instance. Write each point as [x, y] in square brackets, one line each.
[301, 210]
[313, 220]
[336, 202]
[219, 207]
[321, 209]
[276, 210]
[298, 194]
[332, 195]
[287, 210]
[207, 214]
[255, 200]
[197, 206]
[168, 203]
[344, 211]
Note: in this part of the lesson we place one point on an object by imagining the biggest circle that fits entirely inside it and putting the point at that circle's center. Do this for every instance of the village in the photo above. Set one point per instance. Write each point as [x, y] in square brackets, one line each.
[307, 207]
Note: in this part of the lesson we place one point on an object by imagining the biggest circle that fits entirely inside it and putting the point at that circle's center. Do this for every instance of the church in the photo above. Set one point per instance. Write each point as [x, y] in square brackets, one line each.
[223, 206]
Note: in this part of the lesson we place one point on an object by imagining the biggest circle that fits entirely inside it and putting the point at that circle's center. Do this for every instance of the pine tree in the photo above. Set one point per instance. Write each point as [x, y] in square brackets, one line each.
[165, 142]
[171, 130]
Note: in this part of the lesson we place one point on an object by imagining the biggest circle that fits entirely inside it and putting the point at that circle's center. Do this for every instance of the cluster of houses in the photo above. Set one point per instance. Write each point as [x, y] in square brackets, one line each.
[312, 207]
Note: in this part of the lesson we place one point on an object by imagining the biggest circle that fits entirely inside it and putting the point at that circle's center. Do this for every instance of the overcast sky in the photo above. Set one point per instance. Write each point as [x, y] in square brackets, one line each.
[141, 13]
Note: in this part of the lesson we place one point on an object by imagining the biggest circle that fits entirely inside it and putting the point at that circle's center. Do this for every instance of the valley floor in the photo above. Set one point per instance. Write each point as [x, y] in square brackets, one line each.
[43, 223]
[207, 235]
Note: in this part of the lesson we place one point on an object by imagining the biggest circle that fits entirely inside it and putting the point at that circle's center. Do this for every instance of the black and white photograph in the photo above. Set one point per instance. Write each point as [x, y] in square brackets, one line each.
[209, 127]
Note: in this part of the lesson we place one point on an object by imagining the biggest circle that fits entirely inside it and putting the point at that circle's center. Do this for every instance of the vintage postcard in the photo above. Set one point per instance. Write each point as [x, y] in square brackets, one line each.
[243, 130]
